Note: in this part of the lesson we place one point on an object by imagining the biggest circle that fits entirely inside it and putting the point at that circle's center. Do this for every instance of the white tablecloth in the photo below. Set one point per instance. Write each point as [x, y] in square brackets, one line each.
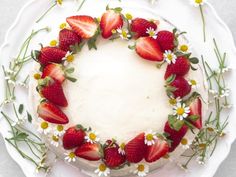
[8, 12]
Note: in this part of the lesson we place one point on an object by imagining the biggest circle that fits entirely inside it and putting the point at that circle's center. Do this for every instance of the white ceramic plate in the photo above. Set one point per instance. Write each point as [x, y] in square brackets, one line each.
[180, 13]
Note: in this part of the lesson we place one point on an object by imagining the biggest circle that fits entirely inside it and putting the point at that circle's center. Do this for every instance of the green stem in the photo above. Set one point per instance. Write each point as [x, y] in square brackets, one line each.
[81, 5]
[203, 23]
[47, 11]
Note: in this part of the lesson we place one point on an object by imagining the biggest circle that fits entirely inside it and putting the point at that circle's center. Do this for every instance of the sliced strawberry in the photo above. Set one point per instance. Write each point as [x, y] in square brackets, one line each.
[156, 151]
[180, 68]
[166, 40]
[139, 26]
[54, 93]
[147, 48]
[112, 158]
[51, 113]
[84, 26]
[54, 71]
[110, 20]
[73, 137]
[135, 149]
[49, 55]
[89, 151]
[196, 110]
[68, 38]
[182, 87]
[175, 136]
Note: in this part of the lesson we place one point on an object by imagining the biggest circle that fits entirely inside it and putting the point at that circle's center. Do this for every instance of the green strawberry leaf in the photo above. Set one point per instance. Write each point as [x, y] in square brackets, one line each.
[194, 60]
[175, 123]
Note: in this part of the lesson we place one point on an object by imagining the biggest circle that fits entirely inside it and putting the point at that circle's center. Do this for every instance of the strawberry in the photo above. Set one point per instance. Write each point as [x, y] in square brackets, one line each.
[89, 151]
[53, 92]
[181, 86]
[180, 68]
[68, 38]
[166, 40]
[113, 158]
[139, 26]
[196, 110]
[156, 151]
[135, 149]
[54, 71]
[147, 48]
[48, 55]
[175, 136]
[51, 113]
[84, 26]
[73, 137]
[110, 20]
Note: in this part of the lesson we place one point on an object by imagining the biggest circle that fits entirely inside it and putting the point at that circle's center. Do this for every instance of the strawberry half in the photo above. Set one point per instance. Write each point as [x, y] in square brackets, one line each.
[73, 137]
[48, 55]
[135, 149]
[110, 20]
[175, 136]
[54, 71]
[51, 113]
[112, 158]
[166, 40]
[68, 38]
[84, 26]
[139, 26]
[53, 92]
[89, 151]
[182, 87]
[180, 68]
[156, 151]
[196, 110]
[148, 48]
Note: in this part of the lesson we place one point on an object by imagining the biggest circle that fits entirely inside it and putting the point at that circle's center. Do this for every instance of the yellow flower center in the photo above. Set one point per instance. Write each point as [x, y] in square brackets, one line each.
[53, 43]
[70, 58]
[44, 125]
[102, 167]
[124, 33]
[128, 16]
[170, 57]
[55, 138]
[210, 129]
[60, 128]
[167, 156]
[180, 111]
[37, 76]
[122, 146]
[62, 26]
[202, 146]
[98, 19]
[184, 48]
[141, 167]
[198, 1]
[193, 82]
[59, 2]
[152, 33]
[149, 137]
[113, 31]
[71, 155]
[184, 141]
[92, 136]
[173, 101]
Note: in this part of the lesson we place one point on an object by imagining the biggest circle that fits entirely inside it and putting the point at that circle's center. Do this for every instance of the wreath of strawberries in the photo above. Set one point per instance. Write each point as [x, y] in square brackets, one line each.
[85, 29]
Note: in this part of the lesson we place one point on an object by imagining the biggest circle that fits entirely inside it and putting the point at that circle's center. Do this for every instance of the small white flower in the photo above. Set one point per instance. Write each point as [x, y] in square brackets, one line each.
[225, 69]
[193, 83]
[213, 92]
[152, 33]
[92, 137]
[227, 106]
[22, 84]
[124, 33]
[55, 141]
[174, 101]
[59, 130]
[225, 93]
[11, 82]
[69, 57]
[70, 157]
[184, 48]
[182, 167]
[181, 111]
[44, 127]
[185, 143]
[200, 160]
[197, 3]
[150, 137]
[121, 149]
[102, 170]
[141, 169]
[170, 57]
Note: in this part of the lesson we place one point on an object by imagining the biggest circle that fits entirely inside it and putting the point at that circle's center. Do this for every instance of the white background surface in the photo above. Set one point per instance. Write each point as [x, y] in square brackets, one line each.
[8, 12]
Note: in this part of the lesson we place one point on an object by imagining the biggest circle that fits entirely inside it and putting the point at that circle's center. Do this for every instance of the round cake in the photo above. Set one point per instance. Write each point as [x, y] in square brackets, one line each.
[125, 104]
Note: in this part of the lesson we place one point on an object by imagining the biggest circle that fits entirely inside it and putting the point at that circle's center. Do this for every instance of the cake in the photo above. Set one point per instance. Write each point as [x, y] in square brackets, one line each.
[122, 109]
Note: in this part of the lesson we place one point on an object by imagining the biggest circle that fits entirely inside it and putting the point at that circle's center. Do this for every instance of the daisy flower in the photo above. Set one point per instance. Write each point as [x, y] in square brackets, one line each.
[121, 149]
[152, 33]
[44, 127]
[55, 141]
[170, 57]
[185, 143]
[69, 57]
[59, 130]
[185, 48]
[181, 111]
[70, 157]
[150, 138]
[124, 33]
[174, 101]
[53, 43]
[92, 137]
[197, 3]
[193, 83]
[141, 169]
[102, 170]
[225, 93]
